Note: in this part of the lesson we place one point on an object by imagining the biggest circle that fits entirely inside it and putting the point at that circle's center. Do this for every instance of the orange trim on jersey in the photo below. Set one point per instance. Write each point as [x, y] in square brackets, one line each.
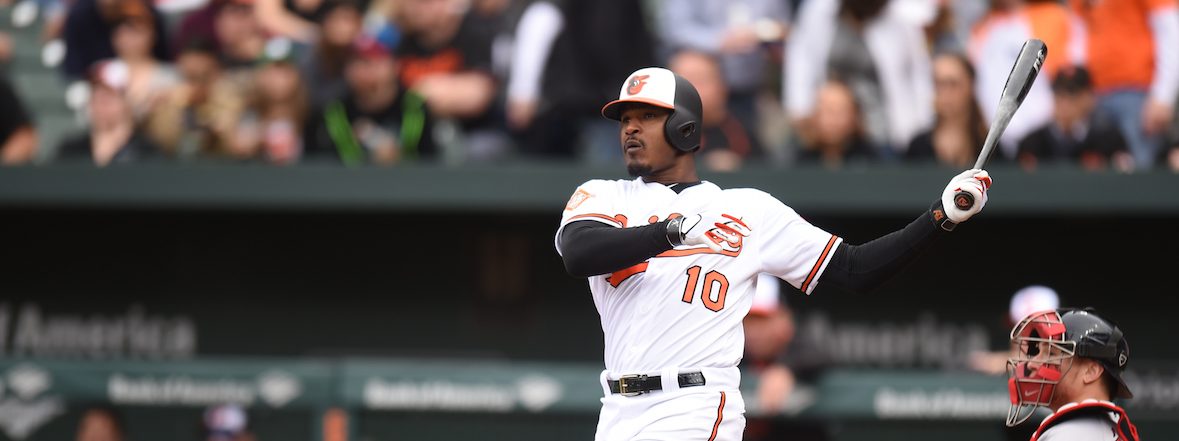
[618, 219]
[818, 264]
[694, 251]
[616, 278]
[730, 217]
[720, 415]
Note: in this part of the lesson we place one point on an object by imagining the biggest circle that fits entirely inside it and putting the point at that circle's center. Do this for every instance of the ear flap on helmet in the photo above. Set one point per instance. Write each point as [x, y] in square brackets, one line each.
[683, 125]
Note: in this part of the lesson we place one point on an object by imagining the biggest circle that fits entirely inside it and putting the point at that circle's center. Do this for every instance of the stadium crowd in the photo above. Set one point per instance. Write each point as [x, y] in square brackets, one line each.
[784, 82]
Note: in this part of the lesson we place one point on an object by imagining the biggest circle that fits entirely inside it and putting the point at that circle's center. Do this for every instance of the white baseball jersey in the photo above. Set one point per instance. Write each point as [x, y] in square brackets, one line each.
[684, 307]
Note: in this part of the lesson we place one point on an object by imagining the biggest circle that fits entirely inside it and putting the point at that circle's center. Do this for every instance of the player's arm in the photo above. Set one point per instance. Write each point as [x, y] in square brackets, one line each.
[590, 248]
[864, 267]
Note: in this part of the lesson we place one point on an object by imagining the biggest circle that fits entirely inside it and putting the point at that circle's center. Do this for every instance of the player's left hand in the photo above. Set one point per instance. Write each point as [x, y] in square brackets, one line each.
[706, 229]
[974, 181]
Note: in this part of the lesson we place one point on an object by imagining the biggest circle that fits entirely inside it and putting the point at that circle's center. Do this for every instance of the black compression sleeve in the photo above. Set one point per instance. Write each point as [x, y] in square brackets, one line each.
[590, 248]
[863, 268]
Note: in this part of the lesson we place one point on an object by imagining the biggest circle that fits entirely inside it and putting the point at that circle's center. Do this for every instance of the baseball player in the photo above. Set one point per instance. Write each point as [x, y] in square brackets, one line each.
[672, 263]
[1070, 361]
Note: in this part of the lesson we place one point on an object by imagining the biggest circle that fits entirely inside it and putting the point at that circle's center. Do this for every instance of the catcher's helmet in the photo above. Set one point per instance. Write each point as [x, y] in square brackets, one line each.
[660, 87]
[1044, 340]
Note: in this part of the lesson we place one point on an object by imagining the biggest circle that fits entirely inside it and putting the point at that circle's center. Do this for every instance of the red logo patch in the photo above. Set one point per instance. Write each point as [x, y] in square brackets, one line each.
[636, 83]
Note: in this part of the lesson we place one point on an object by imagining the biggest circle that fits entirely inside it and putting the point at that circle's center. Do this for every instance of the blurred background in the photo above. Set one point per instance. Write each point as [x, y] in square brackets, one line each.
[332, 220]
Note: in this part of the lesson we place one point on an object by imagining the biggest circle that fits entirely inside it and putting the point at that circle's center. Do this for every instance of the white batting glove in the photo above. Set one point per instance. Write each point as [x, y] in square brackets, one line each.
[974, 181]
[707, 230]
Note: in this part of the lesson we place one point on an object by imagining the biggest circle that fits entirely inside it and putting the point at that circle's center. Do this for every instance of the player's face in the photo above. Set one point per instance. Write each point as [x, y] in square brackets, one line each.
[644, 147]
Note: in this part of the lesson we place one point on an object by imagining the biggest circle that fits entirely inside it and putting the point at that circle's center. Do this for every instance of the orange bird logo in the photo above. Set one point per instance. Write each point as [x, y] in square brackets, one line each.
[636, 84]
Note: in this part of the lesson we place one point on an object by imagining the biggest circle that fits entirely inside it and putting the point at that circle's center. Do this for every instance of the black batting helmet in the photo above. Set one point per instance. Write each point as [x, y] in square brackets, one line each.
[660, 87]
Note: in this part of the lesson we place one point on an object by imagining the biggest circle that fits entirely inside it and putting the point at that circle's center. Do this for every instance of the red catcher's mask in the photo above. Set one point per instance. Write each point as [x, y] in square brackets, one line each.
[1034, 370]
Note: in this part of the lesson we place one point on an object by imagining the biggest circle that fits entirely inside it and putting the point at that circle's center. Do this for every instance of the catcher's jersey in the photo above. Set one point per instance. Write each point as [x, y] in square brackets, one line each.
[684, 308]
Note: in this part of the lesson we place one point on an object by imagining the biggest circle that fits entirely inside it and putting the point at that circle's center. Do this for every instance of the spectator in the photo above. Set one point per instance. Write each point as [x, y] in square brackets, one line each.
[565, 63]
[955, 20]
[838, 136]
[377, 121]
[996, 41]
[293, 19]
[227, 422]
[443, 57]
[276, 110]
[112, 137]
[90, 26]
[1076, 134]
[198, 117]
[147, 77]
[769, 327]
[774, 356]
[879, 54]
[1135, 65]
[959, 129]
[240, 38]
[324, 64]
[101, 423]
[739, 32]
[726, 142]
[18, 134]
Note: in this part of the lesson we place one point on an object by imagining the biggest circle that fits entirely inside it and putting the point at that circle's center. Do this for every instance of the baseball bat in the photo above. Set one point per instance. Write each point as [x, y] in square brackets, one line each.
[1019, 82]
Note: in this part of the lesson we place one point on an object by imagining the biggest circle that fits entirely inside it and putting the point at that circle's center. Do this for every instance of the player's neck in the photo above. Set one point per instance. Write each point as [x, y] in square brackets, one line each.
[683, 171]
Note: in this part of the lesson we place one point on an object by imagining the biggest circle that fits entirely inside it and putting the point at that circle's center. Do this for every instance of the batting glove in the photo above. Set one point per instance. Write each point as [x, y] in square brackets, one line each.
[705, 229]
[974, 181]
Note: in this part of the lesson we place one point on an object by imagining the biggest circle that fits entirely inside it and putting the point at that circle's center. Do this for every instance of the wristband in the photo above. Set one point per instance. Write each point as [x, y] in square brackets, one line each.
[938, 212]
[674, 236]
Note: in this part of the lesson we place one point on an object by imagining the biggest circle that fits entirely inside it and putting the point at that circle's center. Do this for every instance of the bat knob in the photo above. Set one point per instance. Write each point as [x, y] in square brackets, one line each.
[963, 200]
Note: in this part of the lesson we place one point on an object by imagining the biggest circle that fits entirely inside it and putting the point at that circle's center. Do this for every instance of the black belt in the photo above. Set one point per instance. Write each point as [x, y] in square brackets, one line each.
[630, 385]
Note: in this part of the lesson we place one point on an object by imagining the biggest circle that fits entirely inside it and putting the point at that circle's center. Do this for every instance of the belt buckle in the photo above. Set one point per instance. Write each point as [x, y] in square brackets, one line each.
[623, 380]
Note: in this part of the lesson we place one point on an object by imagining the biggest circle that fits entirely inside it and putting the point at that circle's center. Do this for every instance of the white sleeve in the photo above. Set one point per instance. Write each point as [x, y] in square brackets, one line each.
[1164, 25]
[593, 200]
[791, 248]
[538, 28]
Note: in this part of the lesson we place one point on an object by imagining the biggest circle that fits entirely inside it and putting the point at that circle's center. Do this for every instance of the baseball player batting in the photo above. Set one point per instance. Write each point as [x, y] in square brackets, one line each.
[673, 261]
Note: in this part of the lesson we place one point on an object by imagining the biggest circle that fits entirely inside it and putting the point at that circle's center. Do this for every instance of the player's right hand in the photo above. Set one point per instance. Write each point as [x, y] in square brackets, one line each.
[707, 230]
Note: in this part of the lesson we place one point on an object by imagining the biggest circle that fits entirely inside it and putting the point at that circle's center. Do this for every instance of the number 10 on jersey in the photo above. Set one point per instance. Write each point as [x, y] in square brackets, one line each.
[712, 291]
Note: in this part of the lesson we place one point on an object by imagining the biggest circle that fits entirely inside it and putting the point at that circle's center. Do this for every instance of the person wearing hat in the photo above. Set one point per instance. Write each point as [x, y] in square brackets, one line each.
[376, 122]
[271, 126]
[1070, 361]
[1077, 133]
[673, 262]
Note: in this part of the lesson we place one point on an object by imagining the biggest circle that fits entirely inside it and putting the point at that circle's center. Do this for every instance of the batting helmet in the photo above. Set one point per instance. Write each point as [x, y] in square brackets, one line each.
[1044, 340]
[660, 87]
